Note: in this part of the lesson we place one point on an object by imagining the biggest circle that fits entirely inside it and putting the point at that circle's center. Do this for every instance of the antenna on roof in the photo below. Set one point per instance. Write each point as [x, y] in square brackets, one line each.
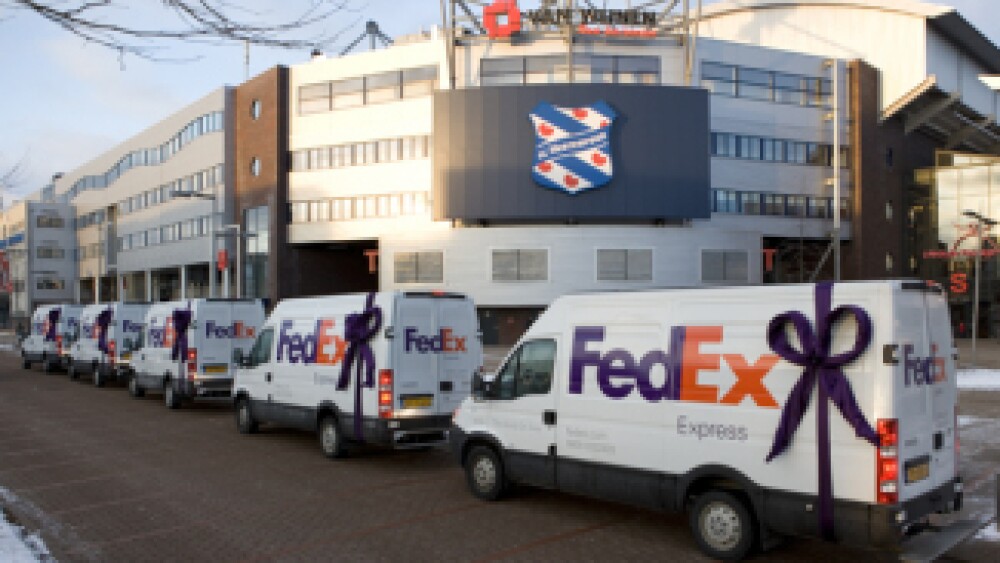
[372, 33]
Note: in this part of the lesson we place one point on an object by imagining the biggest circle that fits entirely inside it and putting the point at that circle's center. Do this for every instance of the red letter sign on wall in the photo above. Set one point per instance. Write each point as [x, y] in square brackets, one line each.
[502, 19]
[959, 283]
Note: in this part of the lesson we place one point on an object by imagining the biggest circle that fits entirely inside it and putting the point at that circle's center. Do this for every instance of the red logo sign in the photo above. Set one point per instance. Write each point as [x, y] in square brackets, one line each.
[502, 19]
[221, 259]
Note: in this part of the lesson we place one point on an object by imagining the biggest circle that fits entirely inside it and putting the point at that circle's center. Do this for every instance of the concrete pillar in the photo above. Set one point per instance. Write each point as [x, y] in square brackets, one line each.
[225, 282]
[149, 286]
[184, 282]
[97, 289]
[120, 281]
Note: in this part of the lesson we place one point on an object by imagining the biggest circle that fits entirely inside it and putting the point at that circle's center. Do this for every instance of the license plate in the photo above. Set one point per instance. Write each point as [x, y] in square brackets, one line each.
[418, 402]
[127, 356]
[214, 368]
[917, 470]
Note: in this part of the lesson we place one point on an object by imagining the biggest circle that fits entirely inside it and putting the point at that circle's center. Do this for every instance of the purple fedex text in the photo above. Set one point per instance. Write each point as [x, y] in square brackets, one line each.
[321, 347]
[445, 341]
[618, 373]
[922, 371]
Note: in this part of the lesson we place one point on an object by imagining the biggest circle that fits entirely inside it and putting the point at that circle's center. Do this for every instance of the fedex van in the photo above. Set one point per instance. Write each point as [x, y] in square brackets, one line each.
[416, 353]
[52, 329]
[706, 401]
[107, 334]
[187, 347]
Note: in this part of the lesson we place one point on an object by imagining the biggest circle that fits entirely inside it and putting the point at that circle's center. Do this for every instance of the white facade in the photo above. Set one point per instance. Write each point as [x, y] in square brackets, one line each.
[898, 37]
[389, 202]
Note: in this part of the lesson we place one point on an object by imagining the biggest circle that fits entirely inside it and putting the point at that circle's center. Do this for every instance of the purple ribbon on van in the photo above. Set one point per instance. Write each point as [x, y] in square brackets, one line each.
[103, 321]
[359, 328]
[824, 371]
[181, 320]
[53, 318]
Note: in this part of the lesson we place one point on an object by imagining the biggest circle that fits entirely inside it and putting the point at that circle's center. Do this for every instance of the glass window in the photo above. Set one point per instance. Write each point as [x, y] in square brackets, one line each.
[300, 212]
[419, 267]
[796, 206]
[255, 166]
[520, 265]
[726, 201]
[261, 352]
[348, 93]
[319, 210]
[724, 266]
[314, 98]
[624, 264]
[255, 110]
[528, 371]
[774, 204]
[383, 87]
[419, 81]
[750, 203]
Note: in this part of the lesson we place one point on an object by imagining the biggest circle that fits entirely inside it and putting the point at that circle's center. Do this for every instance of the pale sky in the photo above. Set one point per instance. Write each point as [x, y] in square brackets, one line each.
[63, 102]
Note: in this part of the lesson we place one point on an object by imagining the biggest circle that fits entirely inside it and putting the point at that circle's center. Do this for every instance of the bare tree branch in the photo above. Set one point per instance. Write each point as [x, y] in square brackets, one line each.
[103, 22]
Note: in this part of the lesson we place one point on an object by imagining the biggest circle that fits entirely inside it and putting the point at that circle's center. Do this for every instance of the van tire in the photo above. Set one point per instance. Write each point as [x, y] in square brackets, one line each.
[98, 377]
[170, 396]
[134, 389]
[48, 366]
[484, 473]
[331, 439]
[245, 422]
[71, 371]
[722, 526]
[25, 364]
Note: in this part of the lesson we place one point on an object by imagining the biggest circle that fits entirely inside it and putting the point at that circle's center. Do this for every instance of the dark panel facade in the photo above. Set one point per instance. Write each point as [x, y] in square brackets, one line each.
[485, 143]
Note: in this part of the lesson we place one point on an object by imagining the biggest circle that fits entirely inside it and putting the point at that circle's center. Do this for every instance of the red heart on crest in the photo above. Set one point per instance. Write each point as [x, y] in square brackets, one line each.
[604, 124]
[545, 166]
[545, 130]
[571, 181]
[580, 113]
[598, 159]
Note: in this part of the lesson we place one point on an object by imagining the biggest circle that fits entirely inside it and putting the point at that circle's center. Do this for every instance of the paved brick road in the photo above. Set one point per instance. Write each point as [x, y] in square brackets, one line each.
[107, 477]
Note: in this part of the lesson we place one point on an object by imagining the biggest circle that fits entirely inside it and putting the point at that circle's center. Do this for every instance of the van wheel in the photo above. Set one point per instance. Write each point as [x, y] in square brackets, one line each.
[25, 364]
[331, 441]
[170, 396]
[71, 371]
[722, 526]
[484, 473]
[98, 377]
[134, 389]
[245, 422]
[48, 365]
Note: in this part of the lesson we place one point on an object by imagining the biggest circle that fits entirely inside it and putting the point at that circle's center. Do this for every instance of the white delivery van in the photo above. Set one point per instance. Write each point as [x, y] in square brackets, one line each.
[676, 399]
[212, 328]
[423, 347]
[108, 332]
[52, 328]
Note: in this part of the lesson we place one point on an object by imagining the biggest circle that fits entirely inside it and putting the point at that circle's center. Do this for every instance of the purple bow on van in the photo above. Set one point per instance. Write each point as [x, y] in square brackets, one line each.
[181, 321]
[824, 371]
[53, 318]
[103, 321]
[359, 328]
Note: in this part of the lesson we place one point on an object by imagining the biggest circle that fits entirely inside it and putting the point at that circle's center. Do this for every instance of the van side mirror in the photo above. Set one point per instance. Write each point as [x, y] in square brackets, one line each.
[238, 358]
[483, 388]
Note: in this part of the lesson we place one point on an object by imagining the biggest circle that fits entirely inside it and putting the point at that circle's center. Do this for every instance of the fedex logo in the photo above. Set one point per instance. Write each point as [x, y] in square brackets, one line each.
[922, 371]
[321, 346]
[161, 336]
[619, 373]
[130, 326]
[236, 330]
[443, 342]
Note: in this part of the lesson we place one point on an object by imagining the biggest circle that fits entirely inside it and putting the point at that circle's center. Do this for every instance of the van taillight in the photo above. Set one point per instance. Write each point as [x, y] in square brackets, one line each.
[887, 461]
[59, 344]
[111, 351]
[192, 362]
[385, 393]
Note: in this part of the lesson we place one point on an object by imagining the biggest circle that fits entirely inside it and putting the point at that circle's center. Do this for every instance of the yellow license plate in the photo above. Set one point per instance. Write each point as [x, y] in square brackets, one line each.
[417, 402]
[918, 472]
[215, 369]
[127, 356]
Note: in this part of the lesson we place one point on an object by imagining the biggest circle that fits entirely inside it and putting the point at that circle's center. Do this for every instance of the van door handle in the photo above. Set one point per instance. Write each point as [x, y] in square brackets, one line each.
[549, 418]
[267, 377]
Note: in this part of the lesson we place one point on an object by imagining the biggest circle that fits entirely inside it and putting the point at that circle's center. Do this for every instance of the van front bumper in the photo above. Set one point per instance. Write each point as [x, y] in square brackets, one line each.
[402, 433]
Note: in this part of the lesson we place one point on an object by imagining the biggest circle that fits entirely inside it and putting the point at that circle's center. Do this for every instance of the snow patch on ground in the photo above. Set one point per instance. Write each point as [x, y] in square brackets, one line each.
[17, 546]
[989, 533]
[979, 379]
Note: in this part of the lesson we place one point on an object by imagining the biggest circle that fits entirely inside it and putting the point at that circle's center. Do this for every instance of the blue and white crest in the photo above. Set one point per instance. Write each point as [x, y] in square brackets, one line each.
[573, 146]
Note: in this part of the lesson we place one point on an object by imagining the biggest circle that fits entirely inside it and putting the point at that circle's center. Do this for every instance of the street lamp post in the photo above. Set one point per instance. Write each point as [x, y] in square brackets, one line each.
[980, 222]
[211, 231]
[240, 235]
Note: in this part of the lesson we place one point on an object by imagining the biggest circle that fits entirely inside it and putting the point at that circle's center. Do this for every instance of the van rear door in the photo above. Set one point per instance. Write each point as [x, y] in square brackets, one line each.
[435, 351]
[926, 391]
